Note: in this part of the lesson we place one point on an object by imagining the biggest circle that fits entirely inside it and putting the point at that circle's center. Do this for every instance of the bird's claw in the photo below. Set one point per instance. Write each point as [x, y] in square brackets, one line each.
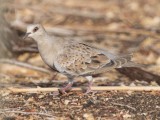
[62, 91]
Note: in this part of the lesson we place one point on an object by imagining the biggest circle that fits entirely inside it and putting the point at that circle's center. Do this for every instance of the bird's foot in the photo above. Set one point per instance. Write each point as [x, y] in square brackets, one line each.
[88, 90]
[65, 89]
[62, 91]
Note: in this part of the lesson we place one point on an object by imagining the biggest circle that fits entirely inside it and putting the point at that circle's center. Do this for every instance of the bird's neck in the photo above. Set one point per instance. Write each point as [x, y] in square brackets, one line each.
[48, 49]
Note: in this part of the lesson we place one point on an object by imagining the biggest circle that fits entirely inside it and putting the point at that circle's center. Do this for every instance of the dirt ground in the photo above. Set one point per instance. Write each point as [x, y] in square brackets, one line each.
[101, 105]
[118, 26]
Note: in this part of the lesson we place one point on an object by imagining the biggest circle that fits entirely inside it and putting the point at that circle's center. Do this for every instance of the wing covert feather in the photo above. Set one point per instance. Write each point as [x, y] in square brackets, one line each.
[82, 59]
[79, 58]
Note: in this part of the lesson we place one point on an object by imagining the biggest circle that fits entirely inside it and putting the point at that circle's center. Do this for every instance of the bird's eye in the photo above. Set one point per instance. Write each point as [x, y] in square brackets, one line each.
[35, 29]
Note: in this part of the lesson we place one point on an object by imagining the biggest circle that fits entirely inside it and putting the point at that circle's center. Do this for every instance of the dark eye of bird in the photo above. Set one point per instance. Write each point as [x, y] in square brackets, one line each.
[35, 29]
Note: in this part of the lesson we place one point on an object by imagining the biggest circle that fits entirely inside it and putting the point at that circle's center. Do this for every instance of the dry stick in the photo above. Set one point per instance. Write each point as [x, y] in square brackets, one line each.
[25, 65]
[27, 113]
[122, 105]
[25, 49]
[108, 88]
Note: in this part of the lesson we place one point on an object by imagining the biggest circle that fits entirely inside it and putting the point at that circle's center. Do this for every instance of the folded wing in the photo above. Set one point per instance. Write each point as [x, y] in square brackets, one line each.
[81, 59]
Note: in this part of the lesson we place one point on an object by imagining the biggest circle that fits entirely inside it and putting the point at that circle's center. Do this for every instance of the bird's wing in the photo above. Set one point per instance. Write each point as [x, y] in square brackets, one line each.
[82, 59]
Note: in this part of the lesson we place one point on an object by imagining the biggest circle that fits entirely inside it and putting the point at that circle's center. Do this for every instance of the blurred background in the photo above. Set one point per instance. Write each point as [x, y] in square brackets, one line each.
[120, 26]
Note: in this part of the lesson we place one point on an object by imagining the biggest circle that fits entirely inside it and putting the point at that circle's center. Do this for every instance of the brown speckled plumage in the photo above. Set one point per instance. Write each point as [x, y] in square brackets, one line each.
[78, 59]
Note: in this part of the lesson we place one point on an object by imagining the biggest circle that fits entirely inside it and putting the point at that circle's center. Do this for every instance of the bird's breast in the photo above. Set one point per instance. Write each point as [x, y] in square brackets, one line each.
[48, 54]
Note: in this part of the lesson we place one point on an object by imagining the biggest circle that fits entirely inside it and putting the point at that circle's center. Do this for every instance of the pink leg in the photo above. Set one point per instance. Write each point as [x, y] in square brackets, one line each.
[89, 87]
[90, 82]
[66, 88]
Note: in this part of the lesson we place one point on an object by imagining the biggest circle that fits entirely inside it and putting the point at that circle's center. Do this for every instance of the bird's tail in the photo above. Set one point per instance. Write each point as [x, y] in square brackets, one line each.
[125, 61]
[133, 64]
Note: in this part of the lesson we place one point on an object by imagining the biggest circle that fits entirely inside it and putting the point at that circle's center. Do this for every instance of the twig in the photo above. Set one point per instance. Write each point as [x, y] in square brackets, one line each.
[25, 65]
[122, 105]
[27, 113]
[107, 88]
[25, 49]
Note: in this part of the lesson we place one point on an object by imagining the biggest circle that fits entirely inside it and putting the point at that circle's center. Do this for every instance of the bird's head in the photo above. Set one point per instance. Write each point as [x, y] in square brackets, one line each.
[35, 31]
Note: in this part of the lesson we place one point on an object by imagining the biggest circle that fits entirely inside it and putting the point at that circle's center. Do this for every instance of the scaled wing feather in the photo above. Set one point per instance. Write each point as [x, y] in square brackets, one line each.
[81, 59]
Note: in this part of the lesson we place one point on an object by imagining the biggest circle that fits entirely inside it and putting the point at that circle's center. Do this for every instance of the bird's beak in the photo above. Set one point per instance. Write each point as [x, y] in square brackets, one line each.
[26, 35]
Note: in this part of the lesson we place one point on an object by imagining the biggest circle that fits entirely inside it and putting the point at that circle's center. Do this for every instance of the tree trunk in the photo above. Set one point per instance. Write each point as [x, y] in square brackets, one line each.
[7, 36]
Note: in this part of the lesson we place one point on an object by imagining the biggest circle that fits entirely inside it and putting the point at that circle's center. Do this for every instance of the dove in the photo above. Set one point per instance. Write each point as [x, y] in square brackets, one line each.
[75, 58]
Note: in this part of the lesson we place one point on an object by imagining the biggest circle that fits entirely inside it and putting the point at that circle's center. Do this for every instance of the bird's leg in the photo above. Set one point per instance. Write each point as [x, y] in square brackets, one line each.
[90, 82]
[66, 88]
